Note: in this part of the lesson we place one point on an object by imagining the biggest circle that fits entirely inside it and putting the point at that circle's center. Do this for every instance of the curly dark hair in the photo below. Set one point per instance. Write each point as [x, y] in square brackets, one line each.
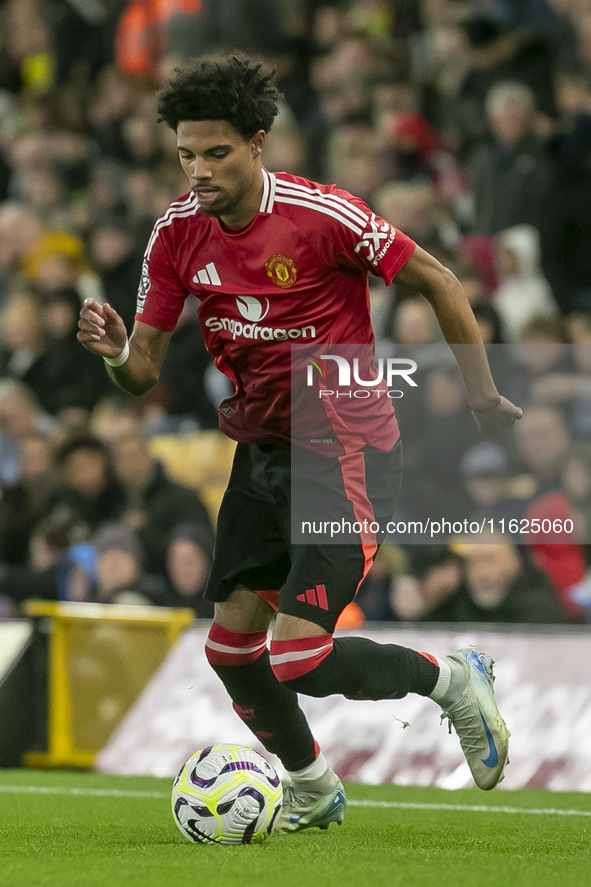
[233, 88]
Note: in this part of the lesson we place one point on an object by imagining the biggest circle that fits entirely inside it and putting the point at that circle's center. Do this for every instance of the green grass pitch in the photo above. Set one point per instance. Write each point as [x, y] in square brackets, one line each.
[89, 830]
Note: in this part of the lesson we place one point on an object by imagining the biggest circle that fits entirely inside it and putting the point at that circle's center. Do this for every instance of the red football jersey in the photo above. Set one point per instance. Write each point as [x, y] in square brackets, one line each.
[297, 274]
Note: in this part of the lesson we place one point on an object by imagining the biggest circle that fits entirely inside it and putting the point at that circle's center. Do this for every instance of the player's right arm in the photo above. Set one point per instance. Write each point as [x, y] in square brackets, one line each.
[102, 332]
[161, 296]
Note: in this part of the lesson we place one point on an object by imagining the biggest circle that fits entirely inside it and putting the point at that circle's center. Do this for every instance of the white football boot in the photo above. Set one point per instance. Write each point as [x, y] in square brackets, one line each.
[469, 704]
[312, 804]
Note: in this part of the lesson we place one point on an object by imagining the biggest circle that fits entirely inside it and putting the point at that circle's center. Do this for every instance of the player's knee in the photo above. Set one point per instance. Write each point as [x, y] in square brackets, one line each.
[296, 662]
[225, 647]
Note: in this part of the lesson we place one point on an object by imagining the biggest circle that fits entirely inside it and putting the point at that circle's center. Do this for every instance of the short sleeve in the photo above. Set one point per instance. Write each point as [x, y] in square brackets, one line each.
[370, 242]
[161, 294]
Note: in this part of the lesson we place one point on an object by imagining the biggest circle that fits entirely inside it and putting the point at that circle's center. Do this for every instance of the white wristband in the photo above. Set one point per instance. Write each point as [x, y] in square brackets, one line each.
[121, 358]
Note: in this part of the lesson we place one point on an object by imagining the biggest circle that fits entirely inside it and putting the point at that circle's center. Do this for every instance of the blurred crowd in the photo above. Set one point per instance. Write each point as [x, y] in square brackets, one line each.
[466, 123]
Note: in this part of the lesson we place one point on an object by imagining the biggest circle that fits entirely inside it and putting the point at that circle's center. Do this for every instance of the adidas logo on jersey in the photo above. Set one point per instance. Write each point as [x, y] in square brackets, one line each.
[208, 276]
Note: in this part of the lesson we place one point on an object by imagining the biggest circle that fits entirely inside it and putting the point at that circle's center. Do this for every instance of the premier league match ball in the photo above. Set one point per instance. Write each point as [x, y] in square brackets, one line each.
[226, 794]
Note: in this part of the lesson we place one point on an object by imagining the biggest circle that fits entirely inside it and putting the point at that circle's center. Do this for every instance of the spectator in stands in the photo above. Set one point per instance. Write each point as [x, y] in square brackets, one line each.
[354, 156]
[87, 482]
[286, 148]
[42, 576]
[484, 469]
[489, 322]
[426, 590]
[36, 458]
[23, 346]
[120, 574]
[523, 292]
[570, 389]
[115, 416]
[542, 441]
[110, 102]
[28, 155]
[541, 352]
[154, 504]
[414, 322]
[566, 225]
[141, 203]
[108, 569]
[118, 261]
[44, 193]
[188, 561]
[498, 52]
[412, 146]
[500, 586]
[511, 174]
[141, 136]
[25, 502]
[341, 75]
[26, 243]
[575, 479]
[70, 382]
[417, 208]
[20, 414]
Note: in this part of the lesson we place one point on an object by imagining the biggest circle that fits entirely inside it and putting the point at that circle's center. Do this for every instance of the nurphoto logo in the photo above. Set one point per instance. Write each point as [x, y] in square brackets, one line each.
[390, 370]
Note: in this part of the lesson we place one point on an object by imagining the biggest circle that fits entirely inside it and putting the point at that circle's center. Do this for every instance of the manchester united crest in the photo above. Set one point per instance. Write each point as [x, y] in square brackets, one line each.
[282, 270]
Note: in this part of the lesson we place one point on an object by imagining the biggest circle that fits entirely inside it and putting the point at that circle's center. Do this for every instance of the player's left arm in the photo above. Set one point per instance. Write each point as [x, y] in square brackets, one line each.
[423, 273]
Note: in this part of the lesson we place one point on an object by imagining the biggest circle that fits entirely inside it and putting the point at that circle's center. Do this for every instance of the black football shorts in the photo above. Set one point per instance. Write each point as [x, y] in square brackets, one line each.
[254, 548]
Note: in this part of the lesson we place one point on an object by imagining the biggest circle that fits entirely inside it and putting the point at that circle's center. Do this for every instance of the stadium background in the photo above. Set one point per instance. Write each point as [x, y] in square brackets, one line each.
[467, 124]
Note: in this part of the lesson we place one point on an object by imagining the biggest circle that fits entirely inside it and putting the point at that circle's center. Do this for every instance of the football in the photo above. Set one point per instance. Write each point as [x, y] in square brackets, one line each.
[226, 794]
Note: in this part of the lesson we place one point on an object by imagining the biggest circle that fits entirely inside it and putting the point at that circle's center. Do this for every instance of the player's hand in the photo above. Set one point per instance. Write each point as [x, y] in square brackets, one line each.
[100, 329]
[498, 417]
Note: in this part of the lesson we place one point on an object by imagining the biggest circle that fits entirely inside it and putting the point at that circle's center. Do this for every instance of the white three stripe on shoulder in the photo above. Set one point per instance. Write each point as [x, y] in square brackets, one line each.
[326, 209]
[265, 197]
[268, 198]
[346, 206]
[179, 210]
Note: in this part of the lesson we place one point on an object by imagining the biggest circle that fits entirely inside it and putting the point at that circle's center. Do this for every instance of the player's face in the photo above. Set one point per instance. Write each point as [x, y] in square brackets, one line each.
[224, 169]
